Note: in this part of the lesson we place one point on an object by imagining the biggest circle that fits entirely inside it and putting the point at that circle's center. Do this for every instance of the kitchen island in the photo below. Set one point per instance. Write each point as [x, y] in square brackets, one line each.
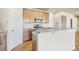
[53, 40]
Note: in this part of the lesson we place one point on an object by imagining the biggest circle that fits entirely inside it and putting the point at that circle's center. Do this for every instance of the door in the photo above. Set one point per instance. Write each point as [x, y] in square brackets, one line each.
[63, 22]
[15, 28]
[71, 24]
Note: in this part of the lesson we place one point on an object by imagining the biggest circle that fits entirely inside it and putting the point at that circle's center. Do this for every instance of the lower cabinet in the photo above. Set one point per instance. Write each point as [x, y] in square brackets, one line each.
[27, 35]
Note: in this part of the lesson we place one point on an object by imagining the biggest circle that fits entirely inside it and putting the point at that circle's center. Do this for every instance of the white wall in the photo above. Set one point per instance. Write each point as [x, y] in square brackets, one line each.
[49, 24]
[57, 19]
[15, 28]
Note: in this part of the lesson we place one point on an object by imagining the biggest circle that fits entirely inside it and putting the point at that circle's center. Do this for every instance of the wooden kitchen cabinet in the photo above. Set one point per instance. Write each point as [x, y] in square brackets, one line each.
[26, 13]
[39, 14]
[27, 34]
[30, 15]
[46, 17]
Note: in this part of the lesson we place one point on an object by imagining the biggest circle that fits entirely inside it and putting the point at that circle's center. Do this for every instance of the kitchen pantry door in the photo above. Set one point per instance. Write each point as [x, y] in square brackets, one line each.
[15, 28]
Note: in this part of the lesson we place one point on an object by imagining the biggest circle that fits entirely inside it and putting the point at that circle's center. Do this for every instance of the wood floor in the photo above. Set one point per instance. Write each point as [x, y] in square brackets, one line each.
[77, 41]
[27, 46]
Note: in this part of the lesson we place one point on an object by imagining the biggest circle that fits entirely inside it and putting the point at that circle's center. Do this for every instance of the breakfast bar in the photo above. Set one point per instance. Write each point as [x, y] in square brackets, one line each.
[54, 40]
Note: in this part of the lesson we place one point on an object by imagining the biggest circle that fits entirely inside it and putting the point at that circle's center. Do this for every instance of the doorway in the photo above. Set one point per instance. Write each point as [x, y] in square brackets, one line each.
[77, 23]
[71, 24]
[63, 22]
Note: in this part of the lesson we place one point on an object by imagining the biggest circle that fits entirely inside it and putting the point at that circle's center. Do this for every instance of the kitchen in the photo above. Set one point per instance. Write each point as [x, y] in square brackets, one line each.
[40, 26]
[48, 25]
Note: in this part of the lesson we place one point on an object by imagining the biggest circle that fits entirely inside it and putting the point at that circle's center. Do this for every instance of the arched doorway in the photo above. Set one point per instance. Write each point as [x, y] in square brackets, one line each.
[63, 22]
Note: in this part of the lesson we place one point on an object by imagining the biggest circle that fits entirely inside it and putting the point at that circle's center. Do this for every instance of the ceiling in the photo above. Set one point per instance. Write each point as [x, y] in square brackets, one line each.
[75, 11]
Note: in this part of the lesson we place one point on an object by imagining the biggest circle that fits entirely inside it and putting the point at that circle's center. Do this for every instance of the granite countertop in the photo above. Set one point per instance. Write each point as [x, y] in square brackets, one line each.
[44, 30]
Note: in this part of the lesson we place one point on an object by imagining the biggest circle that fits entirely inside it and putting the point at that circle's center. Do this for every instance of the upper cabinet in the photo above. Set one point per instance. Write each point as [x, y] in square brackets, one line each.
[30, 15]
[45, 17]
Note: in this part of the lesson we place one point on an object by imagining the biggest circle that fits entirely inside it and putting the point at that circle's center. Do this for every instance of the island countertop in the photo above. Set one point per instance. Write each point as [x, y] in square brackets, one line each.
[54, 39]
[44, 30]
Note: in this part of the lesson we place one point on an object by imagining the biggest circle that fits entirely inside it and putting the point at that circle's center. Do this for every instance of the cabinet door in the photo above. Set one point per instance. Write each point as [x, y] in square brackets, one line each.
[26, 14]
[30, 15]
[43, 17]
[40, 14]
[35, 14]
[46, 17]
